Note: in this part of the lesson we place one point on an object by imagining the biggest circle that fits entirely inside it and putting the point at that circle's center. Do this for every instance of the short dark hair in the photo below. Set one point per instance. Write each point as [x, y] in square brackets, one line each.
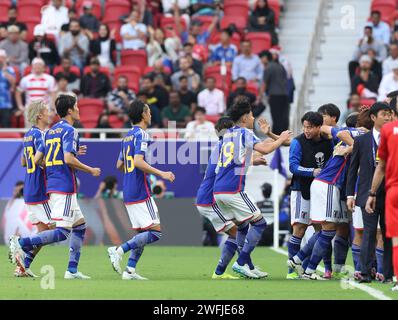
[266, 188]
[60, 76]
[182, 78]
[223, 124]
[94, 60]
[110, 182]
[364, 119]
[199, 109]
[378, 106]
[330, 109]
[136, 109]
[242, 79]
[315, 118]
[148, 77]
[265, 53]
[63, 103]
[375, 12]
[227, 31]
[240, 107]
[352, 119]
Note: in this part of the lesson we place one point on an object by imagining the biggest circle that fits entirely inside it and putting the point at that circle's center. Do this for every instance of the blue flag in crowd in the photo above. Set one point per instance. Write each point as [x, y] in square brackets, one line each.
[277, 163]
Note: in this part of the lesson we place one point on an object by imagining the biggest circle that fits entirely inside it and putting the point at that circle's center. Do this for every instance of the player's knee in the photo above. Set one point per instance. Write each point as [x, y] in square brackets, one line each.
[260, 223]
[61, 234]
[299, 230]
[155, 235]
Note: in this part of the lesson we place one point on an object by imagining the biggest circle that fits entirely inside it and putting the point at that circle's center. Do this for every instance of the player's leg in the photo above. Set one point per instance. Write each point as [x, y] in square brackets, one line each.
[341, 246]
[356, 253]
[379, 256]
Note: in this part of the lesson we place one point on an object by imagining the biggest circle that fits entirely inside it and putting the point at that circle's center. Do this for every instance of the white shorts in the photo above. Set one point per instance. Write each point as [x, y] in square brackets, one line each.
[39, 213]
[65, 210]
[213, 213]
[237, 206]
[345, 216]
[325, 203]
[143, 215]
[357, 220]
[300, 208]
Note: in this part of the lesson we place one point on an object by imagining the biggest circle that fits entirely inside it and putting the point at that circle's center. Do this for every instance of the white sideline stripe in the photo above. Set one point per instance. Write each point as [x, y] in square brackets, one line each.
[371, 291]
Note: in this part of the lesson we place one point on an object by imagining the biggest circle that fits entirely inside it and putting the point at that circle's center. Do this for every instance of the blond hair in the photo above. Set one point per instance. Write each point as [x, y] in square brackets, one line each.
[34, 109]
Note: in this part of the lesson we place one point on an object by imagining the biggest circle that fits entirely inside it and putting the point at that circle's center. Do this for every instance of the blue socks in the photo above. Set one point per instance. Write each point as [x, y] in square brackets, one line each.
[341, 246]
[327, 259]
[307, 249]
[241, 234]
[44, 238]
[137, 244]
[293, 247]
[356, 256]
[29, 256]
[76, 242]
[379, 258]
[253, 237]
[227, 253]
[320, 249]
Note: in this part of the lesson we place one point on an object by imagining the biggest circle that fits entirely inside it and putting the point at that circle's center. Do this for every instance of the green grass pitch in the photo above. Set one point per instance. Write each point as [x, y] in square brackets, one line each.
[174, 273]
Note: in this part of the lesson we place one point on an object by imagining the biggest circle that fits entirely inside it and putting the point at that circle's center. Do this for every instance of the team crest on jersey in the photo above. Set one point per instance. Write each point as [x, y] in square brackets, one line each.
[320, 159]
[144, 146]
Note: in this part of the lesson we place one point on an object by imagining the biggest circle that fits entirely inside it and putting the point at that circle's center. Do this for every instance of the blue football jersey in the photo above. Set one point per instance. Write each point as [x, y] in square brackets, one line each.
[235, 157]
[61, 138]
[336, 168]
[205, 196]
[35, 183]
[135, 182]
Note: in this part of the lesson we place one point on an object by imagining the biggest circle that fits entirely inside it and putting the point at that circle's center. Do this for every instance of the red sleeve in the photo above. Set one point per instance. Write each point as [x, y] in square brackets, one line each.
[382, 151]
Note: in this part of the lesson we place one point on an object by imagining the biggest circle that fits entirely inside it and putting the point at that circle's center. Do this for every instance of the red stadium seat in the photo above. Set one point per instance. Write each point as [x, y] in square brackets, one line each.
[212, 118]
[236, 8]
[96, 10]
[132, 73]
[114, 25]
[17, 73]
[90, 108]
[17, 121]
[260, 41]
[10, 135]
[222, 82]
[169, 22]
[73, 69]
[387, 10]
[31, 22]
[116, 9]
[274, 5]
[4, 6]
[116, 122]
[136, 58]
[105, 70]
[239, 21]
[28, 70]
[28, 9]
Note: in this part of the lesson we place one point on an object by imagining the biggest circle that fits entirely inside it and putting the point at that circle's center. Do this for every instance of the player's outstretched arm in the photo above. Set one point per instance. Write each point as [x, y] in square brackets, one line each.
[326, 131]
[141, 164]
[73, 162]
[345, 136]
[266, 130]
[267, 146]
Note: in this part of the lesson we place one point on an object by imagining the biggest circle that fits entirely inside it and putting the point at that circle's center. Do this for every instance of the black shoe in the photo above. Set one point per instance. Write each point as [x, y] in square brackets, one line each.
[388, 281]
[365, 279]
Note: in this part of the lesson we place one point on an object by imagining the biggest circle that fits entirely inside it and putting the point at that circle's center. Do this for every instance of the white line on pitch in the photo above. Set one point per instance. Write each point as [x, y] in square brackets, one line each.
[371, 291]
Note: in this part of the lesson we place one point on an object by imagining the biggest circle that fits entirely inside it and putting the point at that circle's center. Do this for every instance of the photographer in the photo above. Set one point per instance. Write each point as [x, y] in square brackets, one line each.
[108, 189]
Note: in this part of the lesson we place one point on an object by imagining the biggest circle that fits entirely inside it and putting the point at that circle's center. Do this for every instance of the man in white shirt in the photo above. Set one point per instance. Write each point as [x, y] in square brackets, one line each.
[54, 16]
[381, 30]
[200, 128]
[134, 33]
[389, 82]
[212, 99]
[393, 57]
[36, 86]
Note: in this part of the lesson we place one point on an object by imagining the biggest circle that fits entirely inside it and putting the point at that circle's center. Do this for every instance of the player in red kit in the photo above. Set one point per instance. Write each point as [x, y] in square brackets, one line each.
[388, 167]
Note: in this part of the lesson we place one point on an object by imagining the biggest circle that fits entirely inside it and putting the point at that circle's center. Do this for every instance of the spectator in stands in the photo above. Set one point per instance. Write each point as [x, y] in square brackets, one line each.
[73, 78]
[103, 123]
[160, 47]
[176, 111]
[200, 128]
[187, 97]
[156, 95]
[195, 63]
[369, 42]
[211, 98]
[389, 82]
[75, 44]
[104, 47]
[199, 52]
[381, 30]
[133, 33]
[95, 84]
[365, 83]
[275, 87]
[119, 98]
[262, 19]
[145, 14]
[247, 65]
[42, 47]
[224, 51]
[88, 21]
[72, 15]
[159, 70]
[393, 57]
[376, 67]
[204, 7]
[7, 84]
[186, 70]
[54, 17]
[36, 86]
[241, 90]
[107, 189]
[16, 49]
[353, 106]
[156, 120]
[62, 84]
[12, 20]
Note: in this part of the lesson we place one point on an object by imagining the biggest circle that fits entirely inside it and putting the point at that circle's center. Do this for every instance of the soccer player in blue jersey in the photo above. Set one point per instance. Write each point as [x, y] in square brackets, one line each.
[326, 204]
[35, 196]
[140, 206]
[61, 150]
[235, 204]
